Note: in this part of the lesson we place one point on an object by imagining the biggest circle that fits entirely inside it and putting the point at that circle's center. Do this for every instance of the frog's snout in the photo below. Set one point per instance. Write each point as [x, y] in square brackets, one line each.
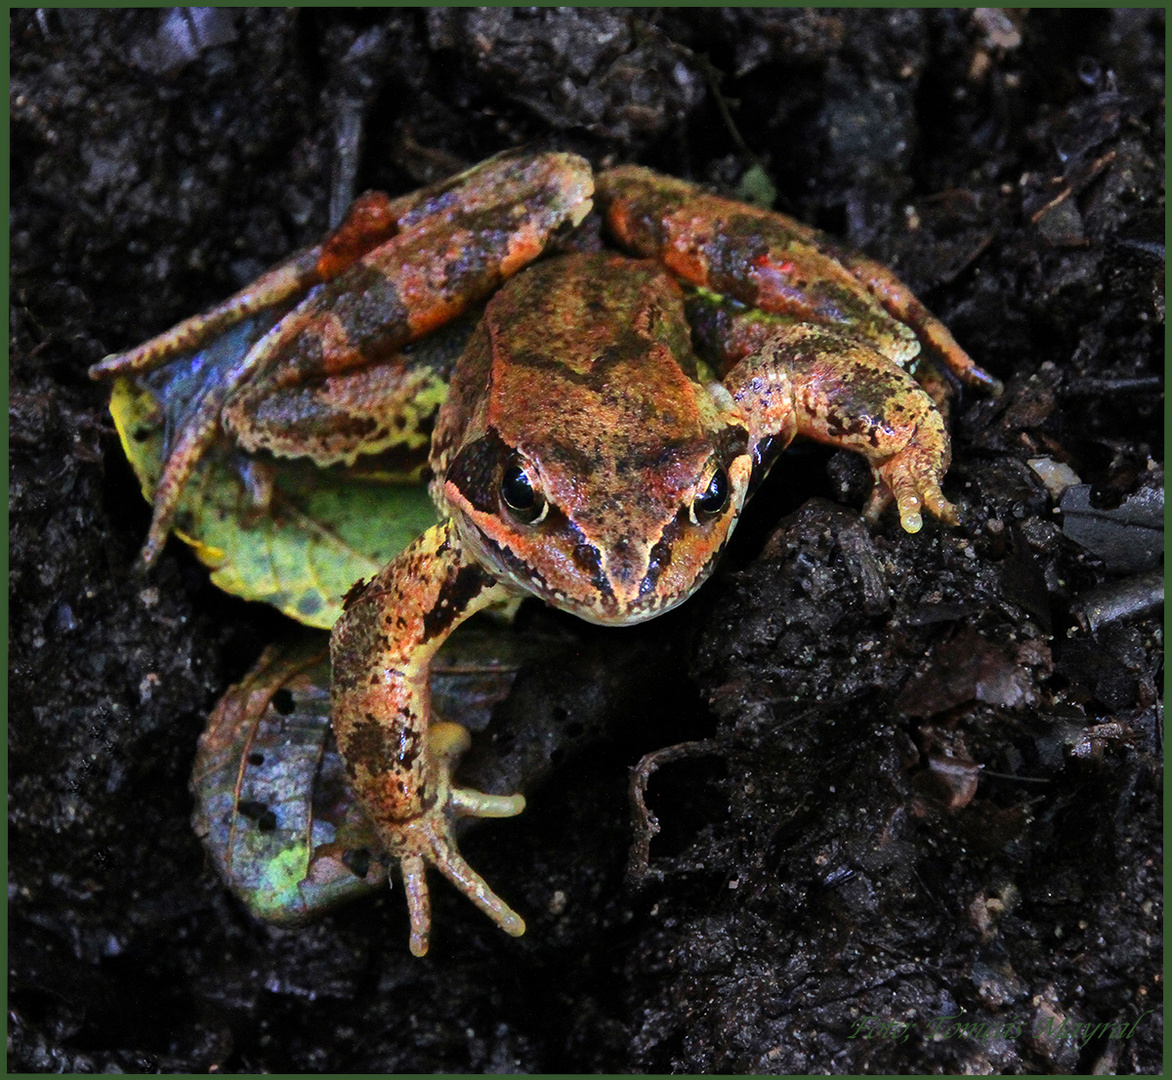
[626, 567]
[624, 563]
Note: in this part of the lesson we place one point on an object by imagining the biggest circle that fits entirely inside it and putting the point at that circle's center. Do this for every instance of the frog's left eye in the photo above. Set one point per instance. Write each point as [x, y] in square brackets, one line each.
[522, 499]
[713, 499]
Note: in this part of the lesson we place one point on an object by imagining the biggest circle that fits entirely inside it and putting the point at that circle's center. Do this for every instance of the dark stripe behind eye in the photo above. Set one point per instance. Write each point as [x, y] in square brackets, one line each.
[477, 469]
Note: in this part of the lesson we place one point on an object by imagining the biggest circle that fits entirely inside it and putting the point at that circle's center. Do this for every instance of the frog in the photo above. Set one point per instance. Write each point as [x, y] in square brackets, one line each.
[612, 409]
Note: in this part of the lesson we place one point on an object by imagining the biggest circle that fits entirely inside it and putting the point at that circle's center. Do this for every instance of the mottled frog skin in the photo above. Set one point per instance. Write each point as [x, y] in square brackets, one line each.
[585, 453]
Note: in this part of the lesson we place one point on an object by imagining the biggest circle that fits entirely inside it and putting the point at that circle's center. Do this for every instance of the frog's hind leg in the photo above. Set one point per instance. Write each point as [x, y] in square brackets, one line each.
[218, 343]
[385, 409]
[215, 332]
[370, 221]
[773, 263]
[280, 285]
[392, 272]
[898, 300]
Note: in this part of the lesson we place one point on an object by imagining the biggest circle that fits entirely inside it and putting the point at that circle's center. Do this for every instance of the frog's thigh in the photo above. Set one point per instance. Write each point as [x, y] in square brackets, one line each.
[385, 406]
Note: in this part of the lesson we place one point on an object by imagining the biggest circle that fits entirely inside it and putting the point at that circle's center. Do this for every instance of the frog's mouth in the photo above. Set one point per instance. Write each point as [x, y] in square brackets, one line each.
[617, 595]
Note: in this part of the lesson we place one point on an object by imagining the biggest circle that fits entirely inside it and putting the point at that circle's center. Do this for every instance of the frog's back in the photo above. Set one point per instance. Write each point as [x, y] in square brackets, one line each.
[591, 355]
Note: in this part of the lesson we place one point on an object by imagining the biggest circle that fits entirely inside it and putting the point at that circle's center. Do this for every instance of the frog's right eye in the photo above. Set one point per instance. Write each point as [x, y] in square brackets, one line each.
[521, 498]
[712, 500]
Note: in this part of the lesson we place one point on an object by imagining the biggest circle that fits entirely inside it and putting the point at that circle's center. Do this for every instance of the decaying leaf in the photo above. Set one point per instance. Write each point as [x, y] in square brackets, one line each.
[272, 804]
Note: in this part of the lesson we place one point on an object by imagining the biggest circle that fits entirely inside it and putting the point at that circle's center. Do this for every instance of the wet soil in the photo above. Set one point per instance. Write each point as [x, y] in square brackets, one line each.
[918, 824]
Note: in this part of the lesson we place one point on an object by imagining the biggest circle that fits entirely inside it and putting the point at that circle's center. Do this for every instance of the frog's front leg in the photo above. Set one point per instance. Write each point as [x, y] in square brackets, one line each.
[814, 381]
[400, 763]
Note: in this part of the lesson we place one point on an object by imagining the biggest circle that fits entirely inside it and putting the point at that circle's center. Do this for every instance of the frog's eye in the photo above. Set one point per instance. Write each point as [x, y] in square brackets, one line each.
[523, 501]
[711, 502]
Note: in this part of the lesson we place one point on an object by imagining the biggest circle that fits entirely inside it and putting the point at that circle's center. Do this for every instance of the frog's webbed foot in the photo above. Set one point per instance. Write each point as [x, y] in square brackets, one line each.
[911, 479]
[428, 839]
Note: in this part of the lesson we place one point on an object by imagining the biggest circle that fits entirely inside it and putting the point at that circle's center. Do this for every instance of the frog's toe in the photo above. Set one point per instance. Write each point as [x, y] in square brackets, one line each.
[910, 479]
[414, 870]
[192, 442]
[912, 495]
[434, 845]
[469, 803]
[473, 886]
[907, 502]
[447, 742]
[428, 839]
[940, 507]
[878, 501]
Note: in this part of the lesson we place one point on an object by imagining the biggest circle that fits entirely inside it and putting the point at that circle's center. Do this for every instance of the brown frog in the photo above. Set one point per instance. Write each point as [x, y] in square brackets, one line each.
[586, 453]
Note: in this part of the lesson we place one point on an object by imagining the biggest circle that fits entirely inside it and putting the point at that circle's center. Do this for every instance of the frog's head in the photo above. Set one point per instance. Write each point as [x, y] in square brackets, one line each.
[582, 455]
[612, 547]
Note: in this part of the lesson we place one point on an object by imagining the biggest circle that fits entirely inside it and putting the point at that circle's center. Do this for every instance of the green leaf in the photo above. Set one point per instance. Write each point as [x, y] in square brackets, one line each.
[757, 188]
[322, 530]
